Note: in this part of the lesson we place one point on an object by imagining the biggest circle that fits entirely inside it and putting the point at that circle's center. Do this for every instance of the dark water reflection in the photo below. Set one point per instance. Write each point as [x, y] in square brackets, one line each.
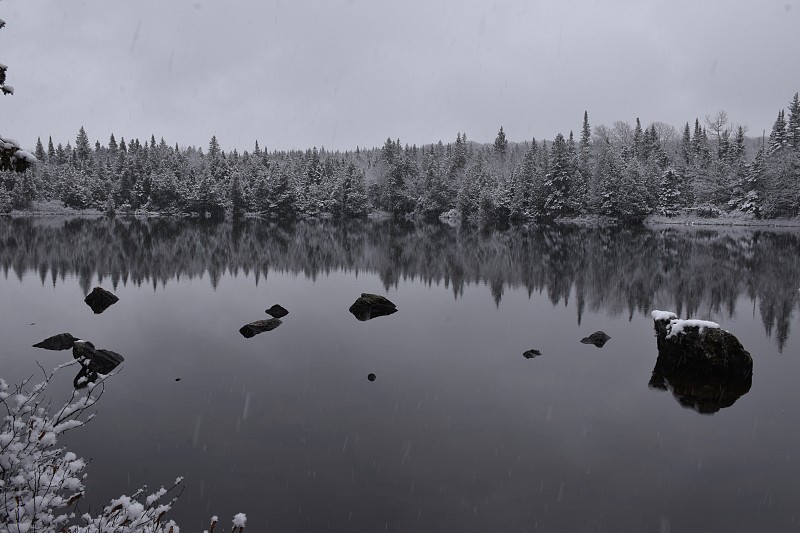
[459, 432]
[695, 273]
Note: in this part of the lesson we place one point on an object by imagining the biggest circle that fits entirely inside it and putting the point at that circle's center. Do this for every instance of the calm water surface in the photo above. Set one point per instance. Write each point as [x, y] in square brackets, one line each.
[459, 432]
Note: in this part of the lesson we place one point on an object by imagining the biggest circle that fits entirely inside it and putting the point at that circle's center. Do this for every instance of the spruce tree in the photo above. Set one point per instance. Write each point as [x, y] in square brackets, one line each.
[557, 180]
[39, 152]
[82, 147]
[793, 132]
[778, 138]
[638, 139]
[686, 149]
[500, 142]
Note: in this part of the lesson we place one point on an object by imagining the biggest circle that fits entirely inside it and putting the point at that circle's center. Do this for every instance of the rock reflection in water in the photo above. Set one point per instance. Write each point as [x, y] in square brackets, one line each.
[704, 391]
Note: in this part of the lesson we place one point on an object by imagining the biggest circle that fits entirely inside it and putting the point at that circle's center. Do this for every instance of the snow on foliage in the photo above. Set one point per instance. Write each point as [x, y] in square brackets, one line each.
[40, 483]
[240, 520]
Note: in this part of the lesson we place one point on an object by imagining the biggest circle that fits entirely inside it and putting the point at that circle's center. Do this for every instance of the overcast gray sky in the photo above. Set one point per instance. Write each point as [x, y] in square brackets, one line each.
[296, 74]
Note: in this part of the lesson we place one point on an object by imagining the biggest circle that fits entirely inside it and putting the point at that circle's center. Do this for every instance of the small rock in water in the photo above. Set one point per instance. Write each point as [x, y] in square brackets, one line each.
[530, 354]
[259, 326]
[62, 341]
[372, 377]
[277, 311]
[598, 338]
[370, 306]
[100, 300]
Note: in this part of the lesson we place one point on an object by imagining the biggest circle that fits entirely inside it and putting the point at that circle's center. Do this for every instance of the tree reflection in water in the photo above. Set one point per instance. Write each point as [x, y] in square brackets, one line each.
[693, 272]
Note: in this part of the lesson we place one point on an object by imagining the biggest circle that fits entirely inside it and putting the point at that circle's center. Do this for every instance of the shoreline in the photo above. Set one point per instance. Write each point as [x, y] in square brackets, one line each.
[54, 210]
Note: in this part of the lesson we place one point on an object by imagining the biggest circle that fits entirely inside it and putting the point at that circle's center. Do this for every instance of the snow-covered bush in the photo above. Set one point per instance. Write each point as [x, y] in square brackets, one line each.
[41, 483]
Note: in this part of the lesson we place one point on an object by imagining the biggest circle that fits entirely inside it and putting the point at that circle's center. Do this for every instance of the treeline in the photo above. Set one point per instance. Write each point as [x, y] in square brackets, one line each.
[624, 172]
[620, 271]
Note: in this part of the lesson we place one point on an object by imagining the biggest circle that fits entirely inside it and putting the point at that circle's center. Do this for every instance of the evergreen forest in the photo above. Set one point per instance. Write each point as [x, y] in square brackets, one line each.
[624, 172]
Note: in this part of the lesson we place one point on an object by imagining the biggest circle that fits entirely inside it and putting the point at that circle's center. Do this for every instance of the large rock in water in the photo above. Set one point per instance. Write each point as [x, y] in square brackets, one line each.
[259, 326]
[100, 300]
[705, 367]
[370, 306]
[62, 341]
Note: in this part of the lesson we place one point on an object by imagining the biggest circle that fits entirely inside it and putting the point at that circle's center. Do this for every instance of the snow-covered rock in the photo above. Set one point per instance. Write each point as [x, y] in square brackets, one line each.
[705, 367]
[700, 343]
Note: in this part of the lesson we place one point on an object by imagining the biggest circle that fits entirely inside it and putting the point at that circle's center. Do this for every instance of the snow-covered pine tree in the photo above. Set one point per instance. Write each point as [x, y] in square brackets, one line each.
[82, 148]
[778, 138]
[793, 132]
[500, 142]
[669, 193]
[557, 180]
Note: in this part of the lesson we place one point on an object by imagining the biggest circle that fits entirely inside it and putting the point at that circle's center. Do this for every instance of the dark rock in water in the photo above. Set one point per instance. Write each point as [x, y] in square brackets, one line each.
[93, 362]
[277, 311]
[259, 326]
[700, 343]
[104, 361]
[370, 306]
[83, 349]
[62, 341]
[101, 361]
[598, 338]
[530, 354]
[705, 367]
[100, 300]
[372, 377]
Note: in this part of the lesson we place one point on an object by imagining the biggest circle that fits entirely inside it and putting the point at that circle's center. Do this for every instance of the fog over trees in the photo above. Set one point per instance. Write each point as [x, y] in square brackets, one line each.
[623, 171]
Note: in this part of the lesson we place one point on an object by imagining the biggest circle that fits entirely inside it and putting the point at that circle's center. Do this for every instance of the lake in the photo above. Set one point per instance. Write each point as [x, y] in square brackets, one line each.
[458, 431]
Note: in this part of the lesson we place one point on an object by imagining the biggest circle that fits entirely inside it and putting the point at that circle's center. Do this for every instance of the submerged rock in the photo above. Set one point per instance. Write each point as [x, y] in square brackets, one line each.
[277, 311]
[370, 306]
[259, 326]
[705, 367]
[530, 354]
[100, 300]
[62, 341]
[598, 338]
